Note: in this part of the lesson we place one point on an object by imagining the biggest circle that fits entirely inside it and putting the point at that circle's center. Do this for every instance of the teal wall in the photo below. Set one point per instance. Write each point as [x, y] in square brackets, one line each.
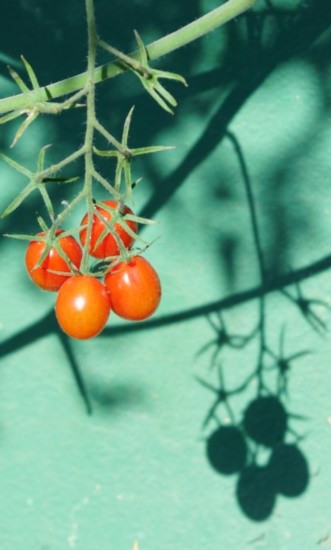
[211, 422]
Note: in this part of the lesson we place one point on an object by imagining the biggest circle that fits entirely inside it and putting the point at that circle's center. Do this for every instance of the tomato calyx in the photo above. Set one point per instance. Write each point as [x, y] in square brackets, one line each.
[52, 241]
[111, 229]
[51, 258]
[102, 267]
[108, 232]
[119, 217]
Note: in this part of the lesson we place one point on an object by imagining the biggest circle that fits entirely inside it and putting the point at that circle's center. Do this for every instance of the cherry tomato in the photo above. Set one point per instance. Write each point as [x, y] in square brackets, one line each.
[82, 307]
[134, 289]
[41, 275]
[108, 246]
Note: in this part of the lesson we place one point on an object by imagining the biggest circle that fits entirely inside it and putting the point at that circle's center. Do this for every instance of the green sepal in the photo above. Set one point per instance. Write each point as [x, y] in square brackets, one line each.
[16, 166]
[148, 77]
[42, 224]
[31, 73]
[47, 200]
[23, 237]
[16, 77]
[135, 152]
[19, 199]
[9, 116]
[41, 157]
[31, 116]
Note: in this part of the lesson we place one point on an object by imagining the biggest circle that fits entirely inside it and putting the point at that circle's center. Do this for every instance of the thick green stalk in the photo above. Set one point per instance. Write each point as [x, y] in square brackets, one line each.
[165, 45]
[205, 24]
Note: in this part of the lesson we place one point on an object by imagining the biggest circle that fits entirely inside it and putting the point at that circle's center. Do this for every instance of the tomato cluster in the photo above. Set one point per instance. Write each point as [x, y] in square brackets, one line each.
[131, 287]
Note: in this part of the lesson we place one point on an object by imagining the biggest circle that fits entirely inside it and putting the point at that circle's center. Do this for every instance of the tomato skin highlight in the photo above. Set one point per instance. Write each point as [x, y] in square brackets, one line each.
[82, 307]
[108, 246]
[42, 276]
[134, 289]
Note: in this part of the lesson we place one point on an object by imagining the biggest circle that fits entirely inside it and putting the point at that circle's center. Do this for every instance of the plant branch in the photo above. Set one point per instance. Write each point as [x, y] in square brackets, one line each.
[163, 46]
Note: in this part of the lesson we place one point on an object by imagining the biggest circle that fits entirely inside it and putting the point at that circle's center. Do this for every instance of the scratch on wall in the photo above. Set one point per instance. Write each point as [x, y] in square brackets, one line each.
[74, 524]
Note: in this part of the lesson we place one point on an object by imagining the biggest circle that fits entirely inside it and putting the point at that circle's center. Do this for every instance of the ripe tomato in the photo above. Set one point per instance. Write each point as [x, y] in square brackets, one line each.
[108, 246]
[82, 307]
[134, 289]
[41, 275]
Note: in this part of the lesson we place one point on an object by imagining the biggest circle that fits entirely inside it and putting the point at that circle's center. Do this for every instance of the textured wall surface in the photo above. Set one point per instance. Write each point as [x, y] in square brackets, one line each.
[211, 423]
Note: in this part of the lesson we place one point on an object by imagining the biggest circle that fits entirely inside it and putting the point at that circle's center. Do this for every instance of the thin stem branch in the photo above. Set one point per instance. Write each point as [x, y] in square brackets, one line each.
[56, 108]
[54, 168]
[107, 185]
[68, 209]
[111, 139]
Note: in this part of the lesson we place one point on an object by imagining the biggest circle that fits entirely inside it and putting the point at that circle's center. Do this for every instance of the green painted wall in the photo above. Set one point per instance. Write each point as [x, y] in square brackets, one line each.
[211, 424]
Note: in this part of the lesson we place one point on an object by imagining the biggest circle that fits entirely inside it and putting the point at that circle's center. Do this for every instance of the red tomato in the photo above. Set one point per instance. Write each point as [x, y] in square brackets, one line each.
[41, 275]
[108, 246]
[82, 307]
[134, 289]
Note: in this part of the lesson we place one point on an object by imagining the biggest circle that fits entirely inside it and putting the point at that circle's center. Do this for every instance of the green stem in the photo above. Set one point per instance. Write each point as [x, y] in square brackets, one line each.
[90, 107]
[68, 209]
[163, 46]
[54, 168]
[205, 24]
[110, 138]
[107, 185]
[90, 122]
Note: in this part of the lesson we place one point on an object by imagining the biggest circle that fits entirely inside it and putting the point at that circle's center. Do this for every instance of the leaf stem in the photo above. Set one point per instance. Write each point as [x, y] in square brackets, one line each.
[90, 124]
